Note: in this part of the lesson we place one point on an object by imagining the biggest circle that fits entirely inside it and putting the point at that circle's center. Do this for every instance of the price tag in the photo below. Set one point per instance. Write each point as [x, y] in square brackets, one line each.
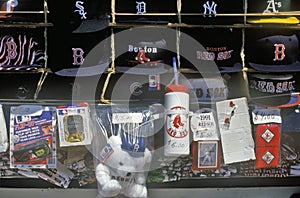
[121, 118]
[263, 116]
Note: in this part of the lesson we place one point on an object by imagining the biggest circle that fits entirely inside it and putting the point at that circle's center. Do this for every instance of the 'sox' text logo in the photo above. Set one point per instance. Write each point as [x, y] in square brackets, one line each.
[80, 9]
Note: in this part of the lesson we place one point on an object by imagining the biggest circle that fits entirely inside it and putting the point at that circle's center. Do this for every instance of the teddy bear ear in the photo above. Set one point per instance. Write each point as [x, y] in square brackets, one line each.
[114, 140]
[147, 156]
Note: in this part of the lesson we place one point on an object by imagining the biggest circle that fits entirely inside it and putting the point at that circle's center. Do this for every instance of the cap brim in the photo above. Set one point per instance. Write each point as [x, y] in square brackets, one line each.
[144, 21]
[289, 100]
[92, 25]
[295, 67]
[276, 20]
[290, 120]
[20, 67]
[143, 69]
[84, 71]
[237, 67]
[294, 101]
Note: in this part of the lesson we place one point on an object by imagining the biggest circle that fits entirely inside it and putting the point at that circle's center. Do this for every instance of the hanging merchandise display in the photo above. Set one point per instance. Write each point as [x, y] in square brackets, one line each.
[149, 98]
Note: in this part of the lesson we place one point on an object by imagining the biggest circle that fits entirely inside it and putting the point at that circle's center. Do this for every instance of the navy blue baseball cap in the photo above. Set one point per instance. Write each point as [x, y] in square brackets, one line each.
[273, 90]
[212, 12]
[273, 53]
[146, 11]
[273, 12]
[221, 51]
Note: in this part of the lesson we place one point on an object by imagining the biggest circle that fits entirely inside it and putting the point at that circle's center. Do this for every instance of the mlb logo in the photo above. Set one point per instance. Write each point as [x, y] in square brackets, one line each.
[105, 152]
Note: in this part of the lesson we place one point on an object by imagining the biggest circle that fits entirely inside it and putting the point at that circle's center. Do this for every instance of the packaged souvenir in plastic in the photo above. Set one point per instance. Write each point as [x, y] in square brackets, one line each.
[3, 132]
[124, 151]
[32, 137]
[74, 125]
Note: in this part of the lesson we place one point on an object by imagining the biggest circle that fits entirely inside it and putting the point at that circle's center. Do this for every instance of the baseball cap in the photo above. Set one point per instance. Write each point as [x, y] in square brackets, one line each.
[19, 86]
[144, 51]
[223, 51]
[80, 54]
[22, 10]
[212, 12]
[273, 90]
[146, 11]
[290, 119]
[273, 12]
[22, 49]
[83, 16]
[273, 53]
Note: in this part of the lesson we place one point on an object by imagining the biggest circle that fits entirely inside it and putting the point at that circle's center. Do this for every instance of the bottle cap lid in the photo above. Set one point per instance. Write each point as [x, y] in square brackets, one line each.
[177, 88]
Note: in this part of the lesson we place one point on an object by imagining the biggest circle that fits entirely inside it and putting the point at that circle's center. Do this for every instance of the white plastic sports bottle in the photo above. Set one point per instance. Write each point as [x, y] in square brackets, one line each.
[177, 136]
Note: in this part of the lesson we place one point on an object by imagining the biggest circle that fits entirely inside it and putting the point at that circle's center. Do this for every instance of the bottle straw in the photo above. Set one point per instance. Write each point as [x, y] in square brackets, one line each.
[175, 70]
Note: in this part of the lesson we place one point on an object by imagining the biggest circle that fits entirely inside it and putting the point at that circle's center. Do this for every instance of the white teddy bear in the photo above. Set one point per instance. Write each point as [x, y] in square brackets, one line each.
[122, 173]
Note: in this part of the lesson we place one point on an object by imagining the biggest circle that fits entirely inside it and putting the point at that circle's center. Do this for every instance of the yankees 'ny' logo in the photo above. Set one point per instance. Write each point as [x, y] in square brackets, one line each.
[211, 9]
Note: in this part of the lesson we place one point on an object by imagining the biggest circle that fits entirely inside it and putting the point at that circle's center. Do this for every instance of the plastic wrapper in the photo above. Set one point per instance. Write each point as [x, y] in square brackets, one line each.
[3, 132]
[124, 150]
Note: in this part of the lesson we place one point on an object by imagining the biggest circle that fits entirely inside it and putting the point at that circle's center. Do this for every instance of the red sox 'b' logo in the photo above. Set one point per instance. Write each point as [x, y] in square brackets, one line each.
[279, 52]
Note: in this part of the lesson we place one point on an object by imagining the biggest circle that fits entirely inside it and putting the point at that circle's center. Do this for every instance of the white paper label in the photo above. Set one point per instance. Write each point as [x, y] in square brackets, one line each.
[204, 127]
[263, 116]
[121, 118]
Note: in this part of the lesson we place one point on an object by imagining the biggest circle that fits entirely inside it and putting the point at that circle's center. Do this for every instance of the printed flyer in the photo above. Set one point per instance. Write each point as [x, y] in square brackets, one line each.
[32, 137]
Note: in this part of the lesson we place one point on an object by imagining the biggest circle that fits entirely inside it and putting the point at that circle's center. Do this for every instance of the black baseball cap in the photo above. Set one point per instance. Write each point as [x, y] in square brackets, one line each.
[83, 16]
[80, 54]
[273, 53]
[220, 47]
[144, 51]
